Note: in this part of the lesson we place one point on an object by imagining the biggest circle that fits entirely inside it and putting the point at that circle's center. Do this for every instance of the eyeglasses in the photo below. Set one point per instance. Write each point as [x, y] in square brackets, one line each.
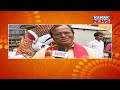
[60, 33]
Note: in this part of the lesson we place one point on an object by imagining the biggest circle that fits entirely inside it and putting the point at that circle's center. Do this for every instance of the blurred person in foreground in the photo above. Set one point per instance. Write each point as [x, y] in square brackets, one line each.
[64, 46]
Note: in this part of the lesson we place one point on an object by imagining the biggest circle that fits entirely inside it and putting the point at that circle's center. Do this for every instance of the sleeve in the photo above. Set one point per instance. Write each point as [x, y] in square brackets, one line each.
[40, 54]
[90, 45]
[25, 48]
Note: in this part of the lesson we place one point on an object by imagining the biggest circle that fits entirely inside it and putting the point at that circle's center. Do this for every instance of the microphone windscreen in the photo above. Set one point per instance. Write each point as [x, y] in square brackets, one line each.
[61, 48]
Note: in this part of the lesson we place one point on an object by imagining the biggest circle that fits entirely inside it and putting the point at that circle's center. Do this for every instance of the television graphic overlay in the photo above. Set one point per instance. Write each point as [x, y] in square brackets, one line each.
[16, 28]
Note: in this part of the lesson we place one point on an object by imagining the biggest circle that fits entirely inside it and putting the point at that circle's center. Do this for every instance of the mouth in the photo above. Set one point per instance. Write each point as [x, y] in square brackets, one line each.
[63, 40]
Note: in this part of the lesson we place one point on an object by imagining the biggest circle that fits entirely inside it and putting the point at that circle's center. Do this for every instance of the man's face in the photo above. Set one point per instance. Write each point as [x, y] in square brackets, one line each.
[99, 37]
[63, 35]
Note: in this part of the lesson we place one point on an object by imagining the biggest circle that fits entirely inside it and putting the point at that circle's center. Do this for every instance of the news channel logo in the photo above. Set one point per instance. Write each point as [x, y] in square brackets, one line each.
[101, 19]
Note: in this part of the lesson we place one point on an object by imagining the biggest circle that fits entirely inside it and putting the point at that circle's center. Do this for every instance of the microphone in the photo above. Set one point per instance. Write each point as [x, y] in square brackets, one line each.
[61, 48]
[61, 53]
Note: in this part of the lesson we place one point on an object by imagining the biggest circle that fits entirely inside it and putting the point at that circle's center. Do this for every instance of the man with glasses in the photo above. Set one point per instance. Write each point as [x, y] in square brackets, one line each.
[64, 46]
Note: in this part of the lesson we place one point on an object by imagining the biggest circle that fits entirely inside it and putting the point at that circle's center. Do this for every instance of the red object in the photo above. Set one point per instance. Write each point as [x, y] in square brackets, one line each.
[79, 51]
[109, 47]
[29, 36]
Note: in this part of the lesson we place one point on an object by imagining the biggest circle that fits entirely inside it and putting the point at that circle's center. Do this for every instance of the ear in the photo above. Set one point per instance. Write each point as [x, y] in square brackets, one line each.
[95, 36]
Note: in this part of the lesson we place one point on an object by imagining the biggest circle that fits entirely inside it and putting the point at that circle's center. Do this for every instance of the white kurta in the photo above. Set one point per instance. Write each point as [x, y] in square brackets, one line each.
[98, 46]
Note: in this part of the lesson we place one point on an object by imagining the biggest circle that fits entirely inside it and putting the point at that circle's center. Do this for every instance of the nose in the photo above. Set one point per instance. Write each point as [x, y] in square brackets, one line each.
[62, 35]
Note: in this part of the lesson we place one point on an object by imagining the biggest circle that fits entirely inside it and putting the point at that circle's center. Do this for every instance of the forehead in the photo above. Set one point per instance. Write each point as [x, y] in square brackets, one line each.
[62, 28]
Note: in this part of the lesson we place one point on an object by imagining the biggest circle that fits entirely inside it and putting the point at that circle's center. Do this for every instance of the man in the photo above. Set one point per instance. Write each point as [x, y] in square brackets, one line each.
[63, 45]
[97, 44]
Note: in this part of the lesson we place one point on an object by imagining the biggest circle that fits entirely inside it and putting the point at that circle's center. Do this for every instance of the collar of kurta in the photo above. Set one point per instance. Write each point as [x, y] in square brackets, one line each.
[97, 40]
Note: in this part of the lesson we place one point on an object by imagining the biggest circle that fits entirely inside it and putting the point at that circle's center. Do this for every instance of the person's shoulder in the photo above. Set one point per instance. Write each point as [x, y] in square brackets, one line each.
[40, 53]
[109, 44]
[91, 42]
